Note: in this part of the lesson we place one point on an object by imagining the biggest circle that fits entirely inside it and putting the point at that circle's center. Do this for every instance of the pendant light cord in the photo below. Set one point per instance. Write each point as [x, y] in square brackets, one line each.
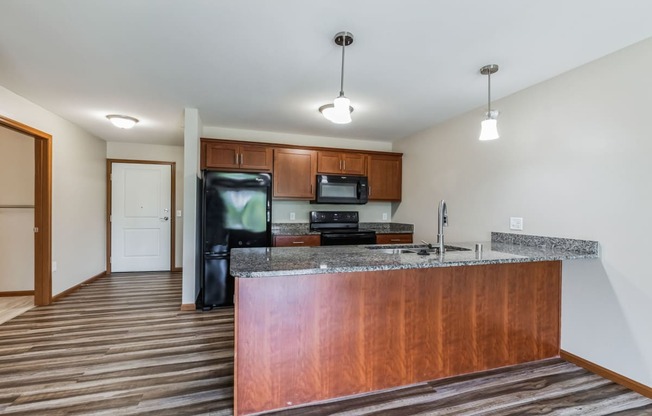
[489, 95]
[342, 72]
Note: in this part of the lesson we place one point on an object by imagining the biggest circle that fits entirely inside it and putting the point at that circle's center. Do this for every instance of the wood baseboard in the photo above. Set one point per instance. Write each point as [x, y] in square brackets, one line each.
[188, 307]
[17, 293]
[77, 286]
[608, 374]
[177, 270]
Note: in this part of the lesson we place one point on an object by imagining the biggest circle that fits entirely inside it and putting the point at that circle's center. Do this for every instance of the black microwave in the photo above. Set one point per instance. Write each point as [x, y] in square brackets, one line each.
[335, 189]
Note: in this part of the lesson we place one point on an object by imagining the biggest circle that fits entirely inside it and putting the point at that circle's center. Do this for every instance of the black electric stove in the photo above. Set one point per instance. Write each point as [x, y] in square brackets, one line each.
[340, 228]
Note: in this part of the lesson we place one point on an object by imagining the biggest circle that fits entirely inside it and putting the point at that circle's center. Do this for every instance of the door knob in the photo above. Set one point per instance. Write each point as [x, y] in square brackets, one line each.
[165, 218]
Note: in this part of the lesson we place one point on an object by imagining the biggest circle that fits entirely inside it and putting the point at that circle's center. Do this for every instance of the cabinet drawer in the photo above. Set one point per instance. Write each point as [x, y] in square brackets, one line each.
[296, 240]
[405, 238]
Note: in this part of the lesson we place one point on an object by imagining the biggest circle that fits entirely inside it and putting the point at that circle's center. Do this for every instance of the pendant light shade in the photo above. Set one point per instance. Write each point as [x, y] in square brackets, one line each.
[489, 126]
[122, 122]
[340, 111]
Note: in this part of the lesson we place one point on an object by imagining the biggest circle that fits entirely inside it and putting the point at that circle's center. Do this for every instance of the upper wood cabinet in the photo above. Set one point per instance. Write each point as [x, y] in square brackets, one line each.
[236, 156]
[384, 172]
[294, 173]
[341, 163]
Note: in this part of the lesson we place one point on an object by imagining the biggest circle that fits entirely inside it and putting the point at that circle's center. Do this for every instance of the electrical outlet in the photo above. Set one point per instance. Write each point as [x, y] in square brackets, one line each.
[384, 216]
[516, 223]
[293, 216]
[179, 213]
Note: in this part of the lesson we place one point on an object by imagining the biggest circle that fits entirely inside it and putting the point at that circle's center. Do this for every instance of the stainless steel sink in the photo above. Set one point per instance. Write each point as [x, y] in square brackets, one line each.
[418, 250]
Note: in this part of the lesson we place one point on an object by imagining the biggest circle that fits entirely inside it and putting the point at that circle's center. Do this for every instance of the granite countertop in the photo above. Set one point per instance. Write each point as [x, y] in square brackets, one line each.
[303, 228]
[503, 248]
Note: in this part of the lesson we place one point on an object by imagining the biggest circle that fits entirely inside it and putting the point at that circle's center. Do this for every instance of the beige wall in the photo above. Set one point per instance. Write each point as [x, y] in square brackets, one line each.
[16, 224]
[574, 161]
[78, 191]
[160, 153]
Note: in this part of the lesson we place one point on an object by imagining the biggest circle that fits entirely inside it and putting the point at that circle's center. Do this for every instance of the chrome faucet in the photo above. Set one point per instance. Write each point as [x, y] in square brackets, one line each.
[442, 221]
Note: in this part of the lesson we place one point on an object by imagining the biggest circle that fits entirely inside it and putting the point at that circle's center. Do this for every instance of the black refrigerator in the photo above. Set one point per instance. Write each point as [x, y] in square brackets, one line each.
[236, 211]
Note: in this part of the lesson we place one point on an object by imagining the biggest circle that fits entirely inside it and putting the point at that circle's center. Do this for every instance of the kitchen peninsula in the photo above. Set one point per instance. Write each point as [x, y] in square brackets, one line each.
[316, 323]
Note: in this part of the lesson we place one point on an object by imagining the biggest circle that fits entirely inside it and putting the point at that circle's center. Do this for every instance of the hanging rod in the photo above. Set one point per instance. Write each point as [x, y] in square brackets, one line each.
[16, 206]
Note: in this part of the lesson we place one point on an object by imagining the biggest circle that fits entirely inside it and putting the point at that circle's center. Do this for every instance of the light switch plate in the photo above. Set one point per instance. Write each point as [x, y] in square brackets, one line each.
[384, 216]
[178, 213]
[516, 223]
[293, 216]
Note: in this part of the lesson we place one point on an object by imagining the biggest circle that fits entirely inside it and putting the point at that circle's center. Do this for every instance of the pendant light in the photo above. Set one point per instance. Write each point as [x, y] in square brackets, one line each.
[340, 111]
[123, 122]
[489, 129]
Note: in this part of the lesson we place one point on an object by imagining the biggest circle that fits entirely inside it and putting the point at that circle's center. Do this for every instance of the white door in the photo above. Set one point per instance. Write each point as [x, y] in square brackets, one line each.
[140, 217]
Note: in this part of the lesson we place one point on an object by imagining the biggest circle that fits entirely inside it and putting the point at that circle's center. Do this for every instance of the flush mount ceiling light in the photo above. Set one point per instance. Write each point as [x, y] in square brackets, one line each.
[123, 122]
[340, 111]
[489, 129]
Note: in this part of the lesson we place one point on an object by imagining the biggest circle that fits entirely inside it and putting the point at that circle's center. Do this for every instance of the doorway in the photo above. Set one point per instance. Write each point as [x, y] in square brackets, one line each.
[42, 208]
[140, 220]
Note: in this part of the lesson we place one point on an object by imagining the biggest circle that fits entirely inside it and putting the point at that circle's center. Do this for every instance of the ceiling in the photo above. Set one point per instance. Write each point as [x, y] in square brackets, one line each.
[269, 65]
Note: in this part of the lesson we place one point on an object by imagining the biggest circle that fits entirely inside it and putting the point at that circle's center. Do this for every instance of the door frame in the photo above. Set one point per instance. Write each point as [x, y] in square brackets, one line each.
[173, 208]
[42, 208]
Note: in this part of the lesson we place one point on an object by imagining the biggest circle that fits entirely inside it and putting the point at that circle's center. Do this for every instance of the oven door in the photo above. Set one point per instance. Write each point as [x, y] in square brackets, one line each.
[348, 238]
[333, 189]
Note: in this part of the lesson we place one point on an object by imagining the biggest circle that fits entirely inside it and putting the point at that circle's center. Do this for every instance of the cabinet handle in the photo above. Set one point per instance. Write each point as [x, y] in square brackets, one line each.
[340, 165]
[369, 190]
[298, 242]
[236, 159]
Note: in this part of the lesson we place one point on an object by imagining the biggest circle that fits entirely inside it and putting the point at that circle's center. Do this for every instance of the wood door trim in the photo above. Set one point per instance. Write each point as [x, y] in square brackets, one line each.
[42, 208]
[606, 373]
[17, 293]
[173, 207]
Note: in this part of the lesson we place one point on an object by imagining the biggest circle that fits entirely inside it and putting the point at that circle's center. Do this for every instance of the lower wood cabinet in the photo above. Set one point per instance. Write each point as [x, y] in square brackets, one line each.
[403, 238]
[296, 240]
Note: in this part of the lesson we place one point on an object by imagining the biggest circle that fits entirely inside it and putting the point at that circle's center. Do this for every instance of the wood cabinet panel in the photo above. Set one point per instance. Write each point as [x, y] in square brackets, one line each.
[339, 163]
[402, 238]
[351, 333]
[220, 155]
[384, 172]
[297, 240]
[236, 156]
[294, 173]
[254, 157]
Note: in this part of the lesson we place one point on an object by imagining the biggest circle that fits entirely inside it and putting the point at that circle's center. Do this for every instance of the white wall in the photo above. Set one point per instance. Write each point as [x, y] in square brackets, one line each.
[574, 161]
[191, 148]
[159, 153]
[16, 224]
[78, 191]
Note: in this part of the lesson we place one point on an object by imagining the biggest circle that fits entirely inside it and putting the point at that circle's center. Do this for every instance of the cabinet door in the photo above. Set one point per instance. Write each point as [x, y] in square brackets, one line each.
[294, 173]
[354, 163]
[384, 172]
[221, 155]
[403, 238]
[329, 162]
[296, 240]
[253, 157]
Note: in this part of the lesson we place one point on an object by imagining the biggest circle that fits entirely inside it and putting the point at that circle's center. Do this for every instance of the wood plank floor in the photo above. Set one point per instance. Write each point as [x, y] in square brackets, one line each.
[120, 346]
[12, 306]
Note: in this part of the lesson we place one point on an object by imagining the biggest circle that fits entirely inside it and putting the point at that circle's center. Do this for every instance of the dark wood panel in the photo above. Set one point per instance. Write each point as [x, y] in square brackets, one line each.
[254, 157]
[294, 173]
[402, 238]
[308, 338]
[384, 174]
[296, 240]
